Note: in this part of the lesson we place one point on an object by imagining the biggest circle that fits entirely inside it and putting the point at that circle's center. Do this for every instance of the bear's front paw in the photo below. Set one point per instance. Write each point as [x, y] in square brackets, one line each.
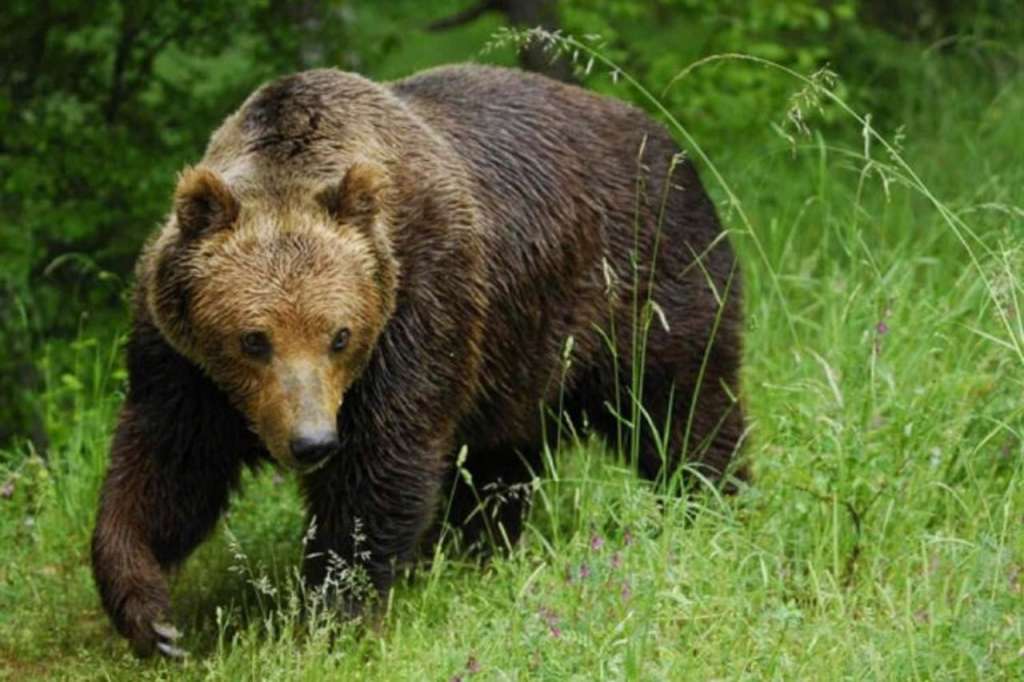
[167, 635]
[147, 625]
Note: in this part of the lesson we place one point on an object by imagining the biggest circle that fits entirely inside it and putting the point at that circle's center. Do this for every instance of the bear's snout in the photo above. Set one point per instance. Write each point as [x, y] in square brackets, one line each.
[312, 449]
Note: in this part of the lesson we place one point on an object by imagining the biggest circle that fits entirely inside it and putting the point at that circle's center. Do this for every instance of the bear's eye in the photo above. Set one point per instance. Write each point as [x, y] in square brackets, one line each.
[256, 344]
[340, 340]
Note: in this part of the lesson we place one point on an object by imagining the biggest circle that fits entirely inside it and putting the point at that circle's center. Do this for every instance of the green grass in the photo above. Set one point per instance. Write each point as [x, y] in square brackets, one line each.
[881, 538]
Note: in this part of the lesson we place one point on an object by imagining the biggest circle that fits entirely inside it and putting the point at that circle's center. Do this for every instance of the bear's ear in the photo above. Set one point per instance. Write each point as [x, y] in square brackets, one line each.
[203, 204]
[358, 198]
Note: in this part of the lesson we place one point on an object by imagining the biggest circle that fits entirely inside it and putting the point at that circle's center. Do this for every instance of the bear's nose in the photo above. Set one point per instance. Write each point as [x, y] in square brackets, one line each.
[313, 448]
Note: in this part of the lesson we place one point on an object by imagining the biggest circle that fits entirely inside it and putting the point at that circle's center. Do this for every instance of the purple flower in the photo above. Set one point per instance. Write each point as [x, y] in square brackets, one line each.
[551, 618]
[584, 571]
[596, 542]
[882, 328]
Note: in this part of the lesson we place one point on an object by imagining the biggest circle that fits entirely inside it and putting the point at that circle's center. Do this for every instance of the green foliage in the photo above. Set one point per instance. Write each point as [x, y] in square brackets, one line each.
[720, 100]
[667, 43]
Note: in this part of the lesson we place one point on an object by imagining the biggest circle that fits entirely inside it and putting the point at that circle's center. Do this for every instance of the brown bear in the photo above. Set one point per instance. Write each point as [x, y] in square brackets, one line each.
[359, 280]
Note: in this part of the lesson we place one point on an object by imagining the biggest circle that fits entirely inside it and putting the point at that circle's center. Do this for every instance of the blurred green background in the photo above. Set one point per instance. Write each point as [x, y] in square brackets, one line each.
[101, 103]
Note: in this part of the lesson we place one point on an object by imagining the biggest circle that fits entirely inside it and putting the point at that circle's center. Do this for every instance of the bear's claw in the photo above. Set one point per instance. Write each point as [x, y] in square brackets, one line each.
[170, 651]
[168, 634]
[166, 630]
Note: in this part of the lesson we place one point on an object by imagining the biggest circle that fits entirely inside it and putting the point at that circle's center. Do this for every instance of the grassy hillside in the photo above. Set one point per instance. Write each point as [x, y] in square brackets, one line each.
[881, 537]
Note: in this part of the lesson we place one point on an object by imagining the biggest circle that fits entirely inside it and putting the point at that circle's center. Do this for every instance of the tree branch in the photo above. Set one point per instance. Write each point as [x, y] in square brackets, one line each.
[467, 15]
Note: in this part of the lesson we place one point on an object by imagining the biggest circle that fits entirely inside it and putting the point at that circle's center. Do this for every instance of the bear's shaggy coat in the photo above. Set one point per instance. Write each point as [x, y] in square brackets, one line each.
[465, 223]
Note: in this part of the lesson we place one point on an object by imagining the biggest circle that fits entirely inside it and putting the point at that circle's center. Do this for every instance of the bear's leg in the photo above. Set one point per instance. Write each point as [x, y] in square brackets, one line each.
[675, 432]
[155, 507]
[698, 426]
[488, 509]
[368, 516]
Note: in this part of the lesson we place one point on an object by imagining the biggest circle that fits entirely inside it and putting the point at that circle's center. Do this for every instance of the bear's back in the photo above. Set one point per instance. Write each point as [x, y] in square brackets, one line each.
[555, 171]
[523, 134]
[546, 156]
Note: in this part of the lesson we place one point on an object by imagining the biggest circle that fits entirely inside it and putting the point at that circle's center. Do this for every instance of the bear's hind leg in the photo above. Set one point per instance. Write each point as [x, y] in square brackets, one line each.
[672, 437]
[704, 430]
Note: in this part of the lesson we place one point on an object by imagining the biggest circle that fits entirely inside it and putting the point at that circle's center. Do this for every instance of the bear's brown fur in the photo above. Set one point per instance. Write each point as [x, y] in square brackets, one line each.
[359, 279]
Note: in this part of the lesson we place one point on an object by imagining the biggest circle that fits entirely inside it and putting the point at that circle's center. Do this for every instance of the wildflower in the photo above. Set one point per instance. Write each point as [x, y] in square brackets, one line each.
[551, 618]
[596, 542]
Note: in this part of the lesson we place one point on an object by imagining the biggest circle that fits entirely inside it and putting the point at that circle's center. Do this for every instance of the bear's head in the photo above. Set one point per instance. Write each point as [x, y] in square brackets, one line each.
[279, 297]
